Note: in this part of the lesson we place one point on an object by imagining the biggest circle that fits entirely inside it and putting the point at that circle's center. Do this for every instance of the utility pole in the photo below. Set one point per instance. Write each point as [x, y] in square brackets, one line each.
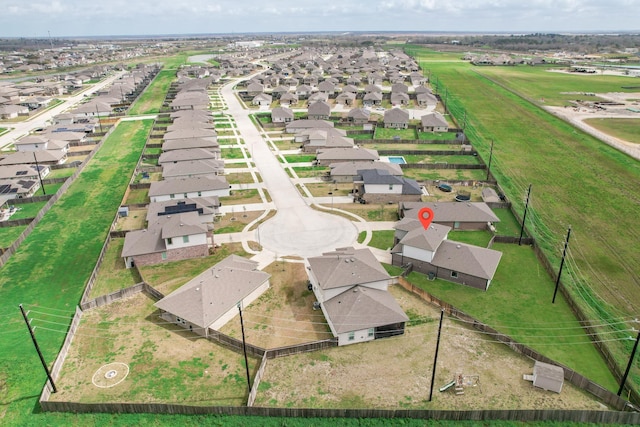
[490, 158]
[626, 372]
[435, 359]
[244, 346]
[35, 158]
[524, 216]
[98, 115]
[35, 343]
[564, 254]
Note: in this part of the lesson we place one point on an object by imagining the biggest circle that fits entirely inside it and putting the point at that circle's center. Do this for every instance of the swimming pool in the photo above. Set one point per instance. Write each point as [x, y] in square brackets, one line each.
[398, 160]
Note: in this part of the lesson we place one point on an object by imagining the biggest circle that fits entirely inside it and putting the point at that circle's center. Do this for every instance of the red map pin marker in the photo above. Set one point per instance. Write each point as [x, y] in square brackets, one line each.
[425, 216]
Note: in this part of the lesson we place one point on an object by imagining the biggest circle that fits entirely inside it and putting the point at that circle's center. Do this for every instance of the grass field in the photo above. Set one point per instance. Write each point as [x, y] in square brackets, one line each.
[53, 285]
[627, 129]
[523, 292]
[113, 274]
[576, 180]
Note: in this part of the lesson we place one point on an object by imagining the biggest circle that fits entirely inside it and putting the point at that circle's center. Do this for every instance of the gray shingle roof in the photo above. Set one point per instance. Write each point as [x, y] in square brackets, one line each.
[362, 308]
[453, 211]
[214, 292]
[347, 268]
[468, 259]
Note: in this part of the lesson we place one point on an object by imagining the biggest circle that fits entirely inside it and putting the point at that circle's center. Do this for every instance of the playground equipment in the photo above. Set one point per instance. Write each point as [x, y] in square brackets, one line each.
[461, 381]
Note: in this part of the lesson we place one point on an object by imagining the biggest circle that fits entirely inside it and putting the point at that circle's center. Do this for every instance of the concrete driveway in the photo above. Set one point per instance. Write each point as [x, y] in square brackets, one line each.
[297, 229]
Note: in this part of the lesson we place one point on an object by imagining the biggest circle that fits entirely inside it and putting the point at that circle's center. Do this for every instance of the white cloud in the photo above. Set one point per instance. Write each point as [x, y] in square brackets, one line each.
[80, 17]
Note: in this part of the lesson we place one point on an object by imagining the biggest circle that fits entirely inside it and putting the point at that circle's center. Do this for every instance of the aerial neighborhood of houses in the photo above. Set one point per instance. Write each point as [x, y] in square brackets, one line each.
[354, 140]
[313, 99]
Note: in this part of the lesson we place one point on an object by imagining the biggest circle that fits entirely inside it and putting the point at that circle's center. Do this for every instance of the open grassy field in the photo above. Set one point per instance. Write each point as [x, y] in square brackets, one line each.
[522, 290]
[66, 246]
[627, 129]
[113, 274]
[576, 180]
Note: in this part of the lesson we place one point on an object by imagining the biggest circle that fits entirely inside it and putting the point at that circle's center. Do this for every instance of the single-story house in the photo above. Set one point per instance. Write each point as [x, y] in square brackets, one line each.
[457, 215]
[434, 122]
[303, 124]
[399, 98]
[192, 168]
[18, 188]
[346, 98]
[190, 133]
[326, 157]
[379, 186]
[288, 98]
[42, 157]
[347, 171]
[281, 115]
[396, 118]
[351, 287]
[186, 188]
[209, 144]
[358, 115]
[372, 99]
[207, 208]
[211, 299]
[319, 110]
[24, 171]
[262, 100]
[186, 154]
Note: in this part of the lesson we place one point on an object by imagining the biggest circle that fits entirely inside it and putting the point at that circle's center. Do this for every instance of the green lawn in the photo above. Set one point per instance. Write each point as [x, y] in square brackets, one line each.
[299, 158]
[627, 129]
[566, 168]
[8, 235]
[61, 173]
[477, 238]
[437, 136]
[382, 239]
[28, 210]
[388, 133]
[311, 171]
[231, 153]
[508, 225]
[66, 246]
[150, 101]
[113, 275]
[521, 294]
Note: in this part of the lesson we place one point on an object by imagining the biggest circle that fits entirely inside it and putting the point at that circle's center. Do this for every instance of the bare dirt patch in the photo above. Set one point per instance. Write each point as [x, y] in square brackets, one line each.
[166, 362]
[135, 220]
[284, 314]
[396, 372]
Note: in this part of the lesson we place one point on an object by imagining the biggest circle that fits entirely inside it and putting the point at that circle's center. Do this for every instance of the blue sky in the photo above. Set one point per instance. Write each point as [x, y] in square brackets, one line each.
[34, 18]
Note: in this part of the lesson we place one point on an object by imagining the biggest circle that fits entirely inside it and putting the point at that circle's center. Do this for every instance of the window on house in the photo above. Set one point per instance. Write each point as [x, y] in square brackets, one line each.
[390, 186]
[371, 332]
[454, 274]
[185, 195]
[173, 196]
[185, 239]
[352, 336]
[170, 241]
[199, 193]
[164, 256]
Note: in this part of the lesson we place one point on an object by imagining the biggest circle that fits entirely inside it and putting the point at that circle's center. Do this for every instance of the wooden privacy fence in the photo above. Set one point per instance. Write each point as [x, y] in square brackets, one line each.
[530, 415]
[62, 355]
[570, 375]
[440, 166]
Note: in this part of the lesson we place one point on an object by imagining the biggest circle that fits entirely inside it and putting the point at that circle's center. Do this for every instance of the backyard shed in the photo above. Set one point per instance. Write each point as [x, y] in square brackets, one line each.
[547, 376]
